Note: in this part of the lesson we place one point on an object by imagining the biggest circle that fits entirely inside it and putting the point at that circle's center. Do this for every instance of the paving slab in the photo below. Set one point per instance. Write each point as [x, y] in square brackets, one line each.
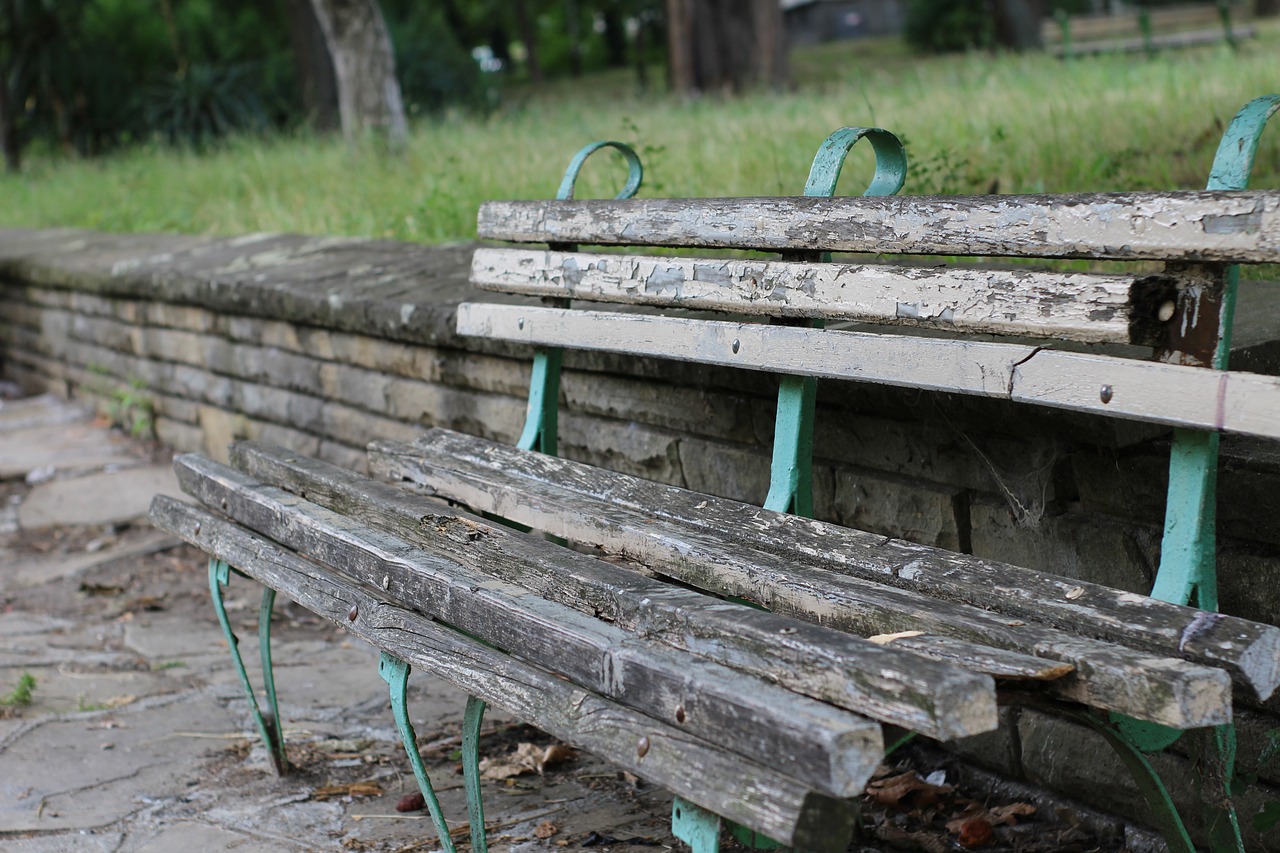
[45, 410]
[108, 497]
[73, 447]
[41, 569]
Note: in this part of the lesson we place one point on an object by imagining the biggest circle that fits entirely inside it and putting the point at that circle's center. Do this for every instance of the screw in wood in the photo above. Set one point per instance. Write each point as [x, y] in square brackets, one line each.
[353, 613]
[224, 503]
[736, 345]
[679, 713]
[386, 581]
[1165, 314]
[197, 528]
[642, 747]
[1105, 394]
[520, 323]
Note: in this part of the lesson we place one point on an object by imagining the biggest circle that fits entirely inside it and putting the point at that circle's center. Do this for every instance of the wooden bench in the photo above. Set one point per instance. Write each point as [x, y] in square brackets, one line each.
[1149, 30]
[741, 655]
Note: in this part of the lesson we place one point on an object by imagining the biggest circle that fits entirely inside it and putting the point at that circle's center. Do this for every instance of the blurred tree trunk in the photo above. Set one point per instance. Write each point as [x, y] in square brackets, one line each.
[8, 126]
[1266, 8]
[529, 35]
[1017, 23]
[726, 45]
[364, 68]
[312, 66]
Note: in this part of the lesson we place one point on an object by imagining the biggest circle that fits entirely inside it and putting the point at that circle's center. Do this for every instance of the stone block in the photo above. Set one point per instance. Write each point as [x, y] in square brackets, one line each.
[914, 510]
[179, 435]
[697, 411]
[628, 448]
[220, 428]
[725, 470]
[1084, 546]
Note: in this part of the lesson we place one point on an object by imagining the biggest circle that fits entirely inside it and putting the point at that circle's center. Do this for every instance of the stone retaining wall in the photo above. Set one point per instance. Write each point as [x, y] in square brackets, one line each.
[324, 344]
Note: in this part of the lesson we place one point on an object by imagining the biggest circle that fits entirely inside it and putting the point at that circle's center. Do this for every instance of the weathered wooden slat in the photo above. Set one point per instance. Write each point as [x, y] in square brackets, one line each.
[973, 367]
[1068, 306]
[888, 684]
[1233, 227]
[756, 796]
[1250, 650]
[1225, 401]
[1174, 394]
[823, 746]
[838, 577]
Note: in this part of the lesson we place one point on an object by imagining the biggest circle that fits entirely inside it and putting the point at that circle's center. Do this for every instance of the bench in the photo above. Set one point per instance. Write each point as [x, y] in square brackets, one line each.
[1146, 29]
[744, 656]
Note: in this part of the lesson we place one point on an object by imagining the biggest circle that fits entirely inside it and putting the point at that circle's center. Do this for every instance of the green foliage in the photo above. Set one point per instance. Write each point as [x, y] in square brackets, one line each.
[206, 102]
[20, 695]
[943, 26]
[131, 408]
[434, 69]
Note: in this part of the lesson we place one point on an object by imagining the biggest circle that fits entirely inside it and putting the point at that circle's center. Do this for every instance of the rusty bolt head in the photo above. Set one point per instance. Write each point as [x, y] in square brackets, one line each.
[1166, 310]
[1105, 394]
[197, 528]
[642, 747]
[353, 613]
[679, 713]
[520, 323]
[735, 346]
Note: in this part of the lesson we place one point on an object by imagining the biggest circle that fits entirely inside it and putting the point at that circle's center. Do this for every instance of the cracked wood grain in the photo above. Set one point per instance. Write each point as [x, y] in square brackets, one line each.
[1173, 394]
[888, 684]
[742, 790]
[826, 747]
[1069, 306]
[1123, 645]
[1226, 226]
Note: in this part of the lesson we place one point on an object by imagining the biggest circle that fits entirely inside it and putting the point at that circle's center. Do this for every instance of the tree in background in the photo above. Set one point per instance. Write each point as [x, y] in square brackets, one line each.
[364, 68]
[725, 45]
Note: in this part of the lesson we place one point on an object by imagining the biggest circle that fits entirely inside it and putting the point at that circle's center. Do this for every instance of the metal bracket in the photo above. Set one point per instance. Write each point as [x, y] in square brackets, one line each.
[791, 471]
[269, 726]
[541, 428]
[695, 826]
[396, 673]
[471, 720]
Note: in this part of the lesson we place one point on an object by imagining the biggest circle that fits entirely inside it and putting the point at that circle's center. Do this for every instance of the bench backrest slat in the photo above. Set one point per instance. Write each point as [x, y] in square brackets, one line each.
[1172, 394]
[1219, 226]
[1086, 307]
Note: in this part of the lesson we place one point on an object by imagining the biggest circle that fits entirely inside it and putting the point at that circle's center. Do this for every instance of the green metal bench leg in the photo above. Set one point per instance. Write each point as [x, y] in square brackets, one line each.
[269, 726]
[695, 826]
[396, 673]
[471, 720]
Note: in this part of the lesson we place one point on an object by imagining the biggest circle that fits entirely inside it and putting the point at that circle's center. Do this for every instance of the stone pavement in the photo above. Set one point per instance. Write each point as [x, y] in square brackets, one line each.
[137, 736]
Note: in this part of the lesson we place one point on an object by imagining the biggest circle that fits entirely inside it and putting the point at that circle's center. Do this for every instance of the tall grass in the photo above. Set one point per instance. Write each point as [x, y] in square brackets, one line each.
[973, 123]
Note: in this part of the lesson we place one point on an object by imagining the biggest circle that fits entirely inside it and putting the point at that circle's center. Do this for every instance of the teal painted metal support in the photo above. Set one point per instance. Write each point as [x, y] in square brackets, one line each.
[471, 720]
[791, 471]
[396, 673]
[541, 425]
[1187, 563]
[1188, 551]
[695, 826]
[541, 421]
[269, 727]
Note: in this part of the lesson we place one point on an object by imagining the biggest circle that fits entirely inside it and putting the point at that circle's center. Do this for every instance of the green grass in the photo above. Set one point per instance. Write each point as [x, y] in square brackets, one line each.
[21, 694]
[972, 123]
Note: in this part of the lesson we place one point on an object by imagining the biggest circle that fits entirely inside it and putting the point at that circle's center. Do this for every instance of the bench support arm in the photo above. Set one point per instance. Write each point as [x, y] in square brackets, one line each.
[269, 726]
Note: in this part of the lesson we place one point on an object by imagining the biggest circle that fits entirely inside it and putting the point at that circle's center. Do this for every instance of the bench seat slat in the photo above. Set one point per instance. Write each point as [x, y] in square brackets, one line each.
[942, 701]
[820, 745]
[1177, 395]
[453, 461]
[756, 796]
[708, 543]
[1070, 306]
[1231, 227]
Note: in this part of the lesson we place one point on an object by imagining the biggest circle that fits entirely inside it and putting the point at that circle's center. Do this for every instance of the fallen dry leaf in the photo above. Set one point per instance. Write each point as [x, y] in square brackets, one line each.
[120, 701]
[906, 791]
[546, 829]
[975, 832]
[351, 789]
[412, 803]
[528, 758]
[1009, 814]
